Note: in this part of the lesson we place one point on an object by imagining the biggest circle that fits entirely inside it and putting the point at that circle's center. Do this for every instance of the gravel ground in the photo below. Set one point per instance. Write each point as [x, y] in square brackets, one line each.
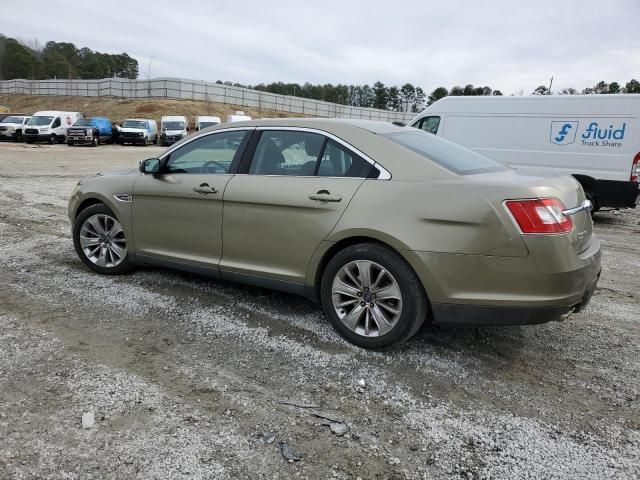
[188, 377]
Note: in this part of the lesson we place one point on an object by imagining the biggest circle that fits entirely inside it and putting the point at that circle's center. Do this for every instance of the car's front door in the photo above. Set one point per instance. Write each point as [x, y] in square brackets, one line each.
[294, 191]
[177, 213]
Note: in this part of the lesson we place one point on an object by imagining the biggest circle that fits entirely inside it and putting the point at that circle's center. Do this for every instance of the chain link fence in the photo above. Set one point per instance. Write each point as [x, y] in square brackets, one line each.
[173, 88]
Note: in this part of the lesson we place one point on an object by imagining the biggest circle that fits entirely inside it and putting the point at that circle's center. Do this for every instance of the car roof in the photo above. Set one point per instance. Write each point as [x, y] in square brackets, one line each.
[328, 124]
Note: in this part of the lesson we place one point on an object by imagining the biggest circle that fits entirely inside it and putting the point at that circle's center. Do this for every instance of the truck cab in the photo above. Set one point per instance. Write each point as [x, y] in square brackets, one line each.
[90, 131]
[12, 127]
[138, 131]
[173, 129]
[49, 126]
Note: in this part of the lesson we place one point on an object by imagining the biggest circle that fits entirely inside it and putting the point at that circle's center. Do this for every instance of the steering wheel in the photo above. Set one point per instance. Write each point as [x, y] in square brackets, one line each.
[206, 165]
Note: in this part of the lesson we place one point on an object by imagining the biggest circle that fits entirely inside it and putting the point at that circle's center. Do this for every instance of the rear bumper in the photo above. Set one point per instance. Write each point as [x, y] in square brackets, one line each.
[454, 314]
[617, 194]
[489, 290]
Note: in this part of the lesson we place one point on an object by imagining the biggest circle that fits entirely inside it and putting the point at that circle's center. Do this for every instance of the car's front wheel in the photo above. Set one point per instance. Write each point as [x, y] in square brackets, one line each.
[372, 296]
[100, 242]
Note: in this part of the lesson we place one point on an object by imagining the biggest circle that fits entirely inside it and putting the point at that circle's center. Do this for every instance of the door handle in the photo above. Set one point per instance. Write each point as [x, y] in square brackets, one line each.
[204, 189]
[325, 197]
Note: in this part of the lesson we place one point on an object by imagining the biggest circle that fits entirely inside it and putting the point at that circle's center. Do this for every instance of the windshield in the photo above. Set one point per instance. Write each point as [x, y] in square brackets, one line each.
[134, 124]
[207, 124]
[173, 125]
[13, 120]
[447, 154]
[39, 121]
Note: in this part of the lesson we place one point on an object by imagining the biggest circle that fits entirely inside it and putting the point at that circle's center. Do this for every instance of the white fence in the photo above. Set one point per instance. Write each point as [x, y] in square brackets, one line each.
[194, 90]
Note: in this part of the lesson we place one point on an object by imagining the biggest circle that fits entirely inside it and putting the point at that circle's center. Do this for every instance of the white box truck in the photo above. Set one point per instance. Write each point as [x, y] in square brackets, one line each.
[204, 121]
[595, 138]
[238, 117]
[49, 126]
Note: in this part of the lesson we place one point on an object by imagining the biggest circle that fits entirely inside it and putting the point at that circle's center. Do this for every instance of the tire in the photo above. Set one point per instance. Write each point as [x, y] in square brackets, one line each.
[155, 140]
[70, 143]
[108, 260]
[410, 303]
[53, 139]
[29, 141]
[594, 202]
[95, 141]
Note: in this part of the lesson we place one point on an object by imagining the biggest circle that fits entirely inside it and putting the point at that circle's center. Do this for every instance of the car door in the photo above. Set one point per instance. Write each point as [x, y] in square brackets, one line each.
[294, 190]
[177, 213]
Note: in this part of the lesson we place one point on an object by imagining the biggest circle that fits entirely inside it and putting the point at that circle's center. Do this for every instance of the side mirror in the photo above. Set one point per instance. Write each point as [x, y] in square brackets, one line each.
[149, 166]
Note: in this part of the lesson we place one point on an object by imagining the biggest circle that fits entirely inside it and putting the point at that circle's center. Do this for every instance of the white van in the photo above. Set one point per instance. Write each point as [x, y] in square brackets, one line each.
[238, 117]
[49, 126]
[203, 121]
[138, 131]
[173, 128]
[595, 138]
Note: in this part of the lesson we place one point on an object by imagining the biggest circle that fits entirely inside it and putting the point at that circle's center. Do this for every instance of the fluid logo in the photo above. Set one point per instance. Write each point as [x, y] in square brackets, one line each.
[563, 133]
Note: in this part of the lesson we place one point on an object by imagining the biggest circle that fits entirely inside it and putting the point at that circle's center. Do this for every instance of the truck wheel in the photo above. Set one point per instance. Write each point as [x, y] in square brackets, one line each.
[155, 140]
[53, 140]
[594, 201]
[95, 141]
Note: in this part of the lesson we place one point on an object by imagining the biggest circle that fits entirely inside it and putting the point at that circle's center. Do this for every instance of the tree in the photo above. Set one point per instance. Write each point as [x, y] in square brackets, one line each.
[568, 91]
[419, 100]
[541, 90]
[407, 95]
[632, 86]
[393, 99]
[601, 87]
[614, 87]
[456, 91]
[380, 92]
[497, 93]
[437, 94]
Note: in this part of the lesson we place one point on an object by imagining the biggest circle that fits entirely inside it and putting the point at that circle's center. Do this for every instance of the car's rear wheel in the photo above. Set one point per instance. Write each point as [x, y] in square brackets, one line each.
[100, 242]
[372, 296]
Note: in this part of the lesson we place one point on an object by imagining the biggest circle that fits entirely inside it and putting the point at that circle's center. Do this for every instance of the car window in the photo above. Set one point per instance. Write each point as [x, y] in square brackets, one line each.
[337, 161]
[429, 124]
[56, 123]
[208, 154]
[449, 155]
[284, 152]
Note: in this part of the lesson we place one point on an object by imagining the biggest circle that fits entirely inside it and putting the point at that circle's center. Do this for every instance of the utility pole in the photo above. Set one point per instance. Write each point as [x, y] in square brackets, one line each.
[550, 83]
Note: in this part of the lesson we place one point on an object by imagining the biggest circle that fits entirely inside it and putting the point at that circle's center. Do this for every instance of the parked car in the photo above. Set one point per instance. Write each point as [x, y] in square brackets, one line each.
[50, 126]
[416, 228]
[11, 127]
[173, 128]
[238, 117]
[203, 121]
[139, 131]
[92, 131]
[595, 138]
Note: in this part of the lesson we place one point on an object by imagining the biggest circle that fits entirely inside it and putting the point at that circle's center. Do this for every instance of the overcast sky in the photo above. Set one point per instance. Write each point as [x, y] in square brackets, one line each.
[509, 45]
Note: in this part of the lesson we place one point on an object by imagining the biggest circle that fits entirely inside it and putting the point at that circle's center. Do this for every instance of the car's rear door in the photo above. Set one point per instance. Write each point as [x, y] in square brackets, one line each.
[177, 214]
[295, 186]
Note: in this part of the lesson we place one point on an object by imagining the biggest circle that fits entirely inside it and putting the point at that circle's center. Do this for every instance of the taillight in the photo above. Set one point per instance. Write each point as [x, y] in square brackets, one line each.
[540, 215]
[635, 168]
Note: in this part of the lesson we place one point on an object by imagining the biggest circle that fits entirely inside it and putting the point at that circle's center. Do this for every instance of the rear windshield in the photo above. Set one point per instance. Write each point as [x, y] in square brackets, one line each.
[173, 125]
[447, 154]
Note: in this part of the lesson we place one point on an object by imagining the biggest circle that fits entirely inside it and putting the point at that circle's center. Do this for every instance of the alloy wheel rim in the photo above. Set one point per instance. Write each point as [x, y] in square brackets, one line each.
[102, 241]
[366, 298]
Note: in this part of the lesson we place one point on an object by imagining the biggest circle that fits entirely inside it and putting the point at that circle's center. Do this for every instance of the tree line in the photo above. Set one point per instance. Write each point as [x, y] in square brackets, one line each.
[600, 88]
[405, 98]
[60, 60]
